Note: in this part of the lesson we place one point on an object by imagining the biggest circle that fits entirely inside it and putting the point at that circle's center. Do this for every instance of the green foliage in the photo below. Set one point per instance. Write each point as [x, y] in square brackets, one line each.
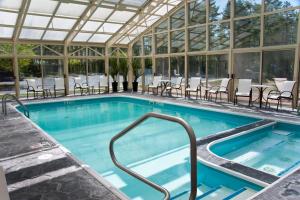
[113, 67]
[123, 68]
[136, 68]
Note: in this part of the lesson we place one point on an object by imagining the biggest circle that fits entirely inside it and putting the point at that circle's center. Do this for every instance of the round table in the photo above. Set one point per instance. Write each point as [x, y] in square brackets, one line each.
[261, 89]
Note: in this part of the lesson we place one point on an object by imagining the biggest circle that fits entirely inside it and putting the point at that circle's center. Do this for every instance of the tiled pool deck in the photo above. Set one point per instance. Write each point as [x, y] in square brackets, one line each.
[37, 168]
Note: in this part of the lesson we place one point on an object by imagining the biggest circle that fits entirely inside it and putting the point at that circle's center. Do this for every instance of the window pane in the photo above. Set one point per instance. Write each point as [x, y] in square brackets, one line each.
[281, 28]
[278, 64]
[197, 12]
[137, 48]
[271, 5]
[219, 36]
[177, 67]
[52, 69]
[162, 67]
[7, 80]
[247, 7]
[246, 65]
[96, 67]
[219, 10]
[197, 67]
[197, 37]
[77, 68]
[161, 43]
[217, 69]
[247, 32]
[53, 50]
[162, 26]
[29, 49]
[177, 41]
[147, 45]
[177, 19]
[148, 71]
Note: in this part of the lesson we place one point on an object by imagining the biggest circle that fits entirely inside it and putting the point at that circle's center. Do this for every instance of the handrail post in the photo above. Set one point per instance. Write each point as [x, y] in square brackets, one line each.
[193, 152]
[4, 107]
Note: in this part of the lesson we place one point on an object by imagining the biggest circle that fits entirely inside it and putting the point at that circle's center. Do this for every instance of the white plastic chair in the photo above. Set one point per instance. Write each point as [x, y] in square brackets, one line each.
[177, 85]
[59, 85]
[155, 84]
[104, 83]
[94, 83]
[223, 88]
[286, 92]
[32, 86]
[244, 89]
[279, 83]
[194, 86]
[80, 83]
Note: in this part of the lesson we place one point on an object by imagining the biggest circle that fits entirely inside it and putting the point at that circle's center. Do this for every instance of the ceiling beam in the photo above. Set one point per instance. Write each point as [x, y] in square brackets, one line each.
[20, 20]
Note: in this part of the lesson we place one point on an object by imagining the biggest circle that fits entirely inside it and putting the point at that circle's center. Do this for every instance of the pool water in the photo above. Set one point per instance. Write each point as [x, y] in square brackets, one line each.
[156, 149]
[274, 149]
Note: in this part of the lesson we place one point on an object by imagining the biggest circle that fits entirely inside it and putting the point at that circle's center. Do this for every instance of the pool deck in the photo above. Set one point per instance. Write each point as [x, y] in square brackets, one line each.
[37, 167]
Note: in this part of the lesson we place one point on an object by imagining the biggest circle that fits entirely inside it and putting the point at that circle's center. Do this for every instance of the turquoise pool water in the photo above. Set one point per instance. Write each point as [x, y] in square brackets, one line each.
[157, 149]
[274, 149]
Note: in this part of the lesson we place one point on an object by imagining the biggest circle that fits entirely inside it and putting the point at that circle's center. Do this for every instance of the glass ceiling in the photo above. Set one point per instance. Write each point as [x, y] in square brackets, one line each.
[96, 21]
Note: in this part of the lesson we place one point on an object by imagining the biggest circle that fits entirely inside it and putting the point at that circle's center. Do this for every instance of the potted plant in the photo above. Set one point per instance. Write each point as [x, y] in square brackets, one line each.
[136, 70]
[114, 70]
[123, 65]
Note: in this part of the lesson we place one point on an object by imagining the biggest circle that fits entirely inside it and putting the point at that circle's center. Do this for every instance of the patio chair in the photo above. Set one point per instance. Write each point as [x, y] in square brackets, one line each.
[279, 83]
[94, 83]
[155, 84]
[244, 89]
[104, 83]
[194, 86]
[59, 85]
[177, 86]
[285, 93]
[81, 84]
[32, 86]
[223, 88]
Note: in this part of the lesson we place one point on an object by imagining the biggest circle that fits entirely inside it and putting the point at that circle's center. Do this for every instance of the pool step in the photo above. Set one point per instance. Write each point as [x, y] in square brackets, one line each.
[217, 193]
[241, 194]
[201, 189]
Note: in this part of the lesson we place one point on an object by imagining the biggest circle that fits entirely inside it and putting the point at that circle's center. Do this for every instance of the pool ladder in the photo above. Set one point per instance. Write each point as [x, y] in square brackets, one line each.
[193, 152]
[4, 106]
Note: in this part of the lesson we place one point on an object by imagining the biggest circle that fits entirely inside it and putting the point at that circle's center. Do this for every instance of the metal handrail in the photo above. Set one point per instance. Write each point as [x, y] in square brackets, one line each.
[193, 152]
[4, 107]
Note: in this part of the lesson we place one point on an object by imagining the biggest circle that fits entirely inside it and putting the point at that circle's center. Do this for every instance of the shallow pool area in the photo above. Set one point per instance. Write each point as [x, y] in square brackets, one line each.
[274, 149]
[157, 149]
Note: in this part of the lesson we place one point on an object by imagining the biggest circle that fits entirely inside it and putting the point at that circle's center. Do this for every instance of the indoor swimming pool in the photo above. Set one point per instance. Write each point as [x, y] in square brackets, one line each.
[156, 149]
[274, 149]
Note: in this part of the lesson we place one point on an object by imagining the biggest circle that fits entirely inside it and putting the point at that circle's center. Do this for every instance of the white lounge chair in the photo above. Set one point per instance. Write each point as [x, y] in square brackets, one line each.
[104, 83]
[223, 88]
[32, 86]
[155, 84]
[194, 86]
[94, 83]
[244, 89]
[80, 83]
[59, 85]
[177, 85]
[279, 83]
[286, 92]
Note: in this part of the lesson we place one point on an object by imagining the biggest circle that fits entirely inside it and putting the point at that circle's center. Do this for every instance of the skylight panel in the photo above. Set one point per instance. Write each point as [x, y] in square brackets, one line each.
[70, 9]
[31, 34]
[55, 35]
[101, 13]
[82, 37]
[110, 27]
[101, 38]
[11, 4]
[138, 30]
[164, 10]
[6, 32]
[36, 21]
[8, 18]
[134, 2]
[62, 23]
[126, 40]
[121, 16]
[91, 26]
[47, 7]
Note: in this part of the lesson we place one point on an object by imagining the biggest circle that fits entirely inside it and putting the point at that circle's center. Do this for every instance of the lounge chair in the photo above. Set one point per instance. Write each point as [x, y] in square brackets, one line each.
[104, 83]
[223, 88]
[59, 85]
[94, 83]
[286, 92]
[32, 86]
[244, 89]
[194, 86]
[81, 84]
[279, 82]
[176, 86]
[155, 84]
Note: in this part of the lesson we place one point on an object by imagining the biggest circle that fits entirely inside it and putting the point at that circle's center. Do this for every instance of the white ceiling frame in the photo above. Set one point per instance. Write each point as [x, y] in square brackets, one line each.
[20, 20]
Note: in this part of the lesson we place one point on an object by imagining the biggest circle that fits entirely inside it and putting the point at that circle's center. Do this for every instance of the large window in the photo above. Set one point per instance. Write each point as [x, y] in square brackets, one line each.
[197, 38]
[281, 28]
[247, 32]
[161, 43]
[7, 80]
[148, 70]
[163, 26]
[278, 64]
[197, 12]
[271, 5]
[162, 67]
[177, 41]
[177, 19]
[219, 36]
[137, 48]
[96, 67]
[217, 69]
[177, 67]
[52, 68]
[247, 7]
[147, 45]
[197, 67]
[247, 66]
[219, 10]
